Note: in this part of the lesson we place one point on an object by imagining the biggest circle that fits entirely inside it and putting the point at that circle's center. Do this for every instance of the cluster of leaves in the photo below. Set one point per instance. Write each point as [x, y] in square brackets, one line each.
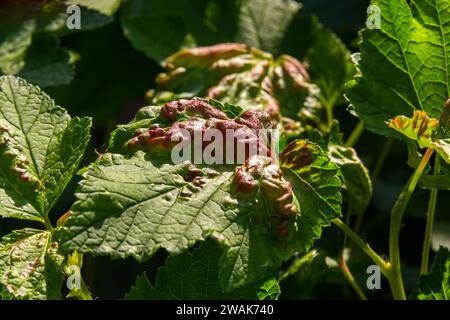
[227, 228]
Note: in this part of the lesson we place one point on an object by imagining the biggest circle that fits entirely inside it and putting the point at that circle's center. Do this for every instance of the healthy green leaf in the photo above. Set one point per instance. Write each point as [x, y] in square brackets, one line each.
[357, 183]
[330, 66]
[263, 23]
[405, 63]
[436, 285]
[107, 7]
[194, 276]
[30, 265]
[47, 64]
[41, 147]
[15, 38]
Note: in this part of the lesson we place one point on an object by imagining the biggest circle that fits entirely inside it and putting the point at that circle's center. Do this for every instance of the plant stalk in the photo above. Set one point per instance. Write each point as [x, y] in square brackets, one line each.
[395, 276]
[378, 260]
[351, 280]
[430, 221]
[354, 136]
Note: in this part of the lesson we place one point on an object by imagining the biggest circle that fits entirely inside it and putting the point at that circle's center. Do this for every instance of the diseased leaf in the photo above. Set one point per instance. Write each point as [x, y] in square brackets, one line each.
[30, 266]
[426, 131]
[135, 204]
[263, 23]
[419, 128]
[436, 285]
[405, 63]
[41, 147]
[195, 276]
[315, 183]
[239, 75]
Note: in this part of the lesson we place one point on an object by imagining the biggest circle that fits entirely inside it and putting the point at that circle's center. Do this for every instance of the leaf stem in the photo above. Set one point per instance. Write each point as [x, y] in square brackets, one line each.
[384, 266]
[376, 171]
[351, 280]
[430, 220]
[395, 276]
[354, 136]
[47, 223]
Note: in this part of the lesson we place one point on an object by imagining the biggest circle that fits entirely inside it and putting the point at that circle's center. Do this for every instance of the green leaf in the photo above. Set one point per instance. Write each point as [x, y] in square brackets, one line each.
[107, 7]
[134, 205]
[144, 32]
[419, 128]
[315, 183]
[41, 147]
[357, 182]
[330, 66]
[15, 38]
[425, 131]
[195, 276]
[30, 266]
[47, 64]
[436, 285]
[263, 23]
[404, 65]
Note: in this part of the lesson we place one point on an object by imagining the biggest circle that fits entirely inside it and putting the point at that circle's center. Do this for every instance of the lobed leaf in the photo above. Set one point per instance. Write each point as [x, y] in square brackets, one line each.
[404, 63]
[195, 276]
[30, 265]
[436, 285]
[41, 147]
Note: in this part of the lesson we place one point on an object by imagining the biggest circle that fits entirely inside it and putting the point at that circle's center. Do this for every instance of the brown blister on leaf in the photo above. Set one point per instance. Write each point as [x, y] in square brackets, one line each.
[240, 75]
[261, 175]
[13, 157]
[196, 116]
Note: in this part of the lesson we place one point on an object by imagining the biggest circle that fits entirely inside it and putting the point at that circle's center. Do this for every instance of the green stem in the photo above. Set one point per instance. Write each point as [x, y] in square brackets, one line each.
[354, 136]
[351, 280]
[299, 263]
[376, 171]
[430, 220]
[381, 159]
[383, 265]
[330, 116]
[47, 223]
[395, 276]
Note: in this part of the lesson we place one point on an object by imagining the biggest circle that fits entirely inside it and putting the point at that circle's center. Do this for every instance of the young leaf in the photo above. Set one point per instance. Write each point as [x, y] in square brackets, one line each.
[436, 285]
[30, 265]
[41, 147]
[419, 128]
[195, 276]
[405, 63]
[426, 131]
[133, 205]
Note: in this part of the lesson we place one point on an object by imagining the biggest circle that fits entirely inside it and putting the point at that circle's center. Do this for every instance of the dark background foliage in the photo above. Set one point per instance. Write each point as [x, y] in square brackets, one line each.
[110, 81]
